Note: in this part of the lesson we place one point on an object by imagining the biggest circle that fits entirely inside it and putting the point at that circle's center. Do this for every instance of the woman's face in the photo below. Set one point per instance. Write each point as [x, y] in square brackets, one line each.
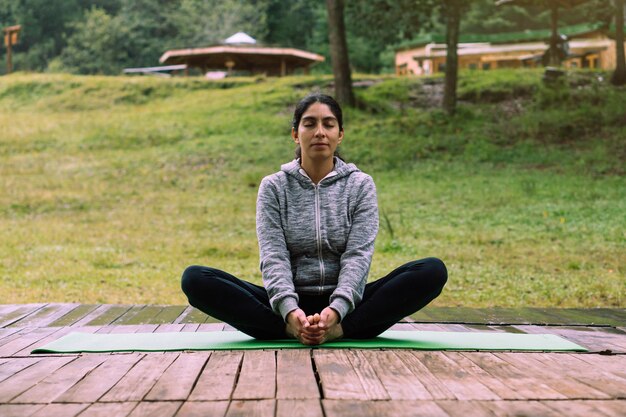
[318, 133]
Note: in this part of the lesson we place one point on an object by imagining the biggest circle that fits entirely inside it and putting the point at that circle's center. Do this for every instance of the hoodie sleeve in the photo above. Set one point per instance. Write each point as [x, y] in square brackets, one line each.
[356, 260]
[275, 262]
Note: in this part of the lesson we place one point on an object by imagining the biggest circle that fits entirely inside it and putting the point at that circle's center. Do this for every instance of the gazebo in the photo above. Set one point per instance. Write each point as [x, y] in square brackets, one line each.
[240, 52]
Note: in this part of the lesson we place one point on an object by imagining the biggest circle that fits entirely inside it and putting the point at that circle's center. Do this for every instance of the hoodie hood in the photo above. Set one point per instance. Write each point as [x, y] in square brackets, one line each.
[342, 169]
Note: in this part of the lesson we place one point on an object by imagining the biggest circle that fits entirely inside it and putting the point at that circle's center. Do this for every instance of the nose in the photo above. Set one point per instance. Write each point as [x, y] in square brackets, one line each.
[319, 131]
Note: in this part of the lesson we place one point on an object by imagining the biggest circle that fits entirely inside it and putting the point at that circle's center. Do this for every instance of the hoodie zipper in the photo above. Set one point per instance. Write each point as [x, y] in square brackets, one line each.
[318, 236]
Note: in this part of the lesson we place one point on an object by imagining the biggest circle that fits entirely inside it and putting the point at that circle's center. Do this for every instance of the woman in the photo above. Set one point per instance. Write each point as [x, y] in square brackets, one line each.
[317, 220]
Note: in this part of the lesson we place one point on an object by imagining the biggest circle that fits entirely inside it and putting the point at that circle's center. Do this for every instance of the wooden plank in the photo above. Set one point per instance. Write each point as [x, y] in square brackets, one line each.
[108, 410]
[294, 375]
[300, 408]
[168, 314]
[7, 331]
[191, 315]
[584, 408]
[60, 410]
[14, 365]
[74, 315]
[442, 314]
[596, 339]
[511, 382]
[19, 410]
[128, 328]
[520, 408]
[579, 316]
[53, 336]
[614, 364]
[12, 316]
[436, 388]
[253, 408]
[211, 327]
[610, 316]
[128, 315]
[542, 316]
[19, 333]
[577, 366]
[160, 409]
[140, 379]
[613, 408]
[178, 380]
[460, 382]
[339, 380]
[334, 408]
[190, 327]
[103, 315]
[170, 328]
[25, 339]
[62, 379]
[203, 409]
[101, 379]
[257, 378]
[401, 326]
[218, 377]
[550, 377]
[23, 380]
[428, 327]
[418, 317]
[45, 315]
[371, 383]
[397, 379]
[140, 314]
[499, 315]
[465, 409]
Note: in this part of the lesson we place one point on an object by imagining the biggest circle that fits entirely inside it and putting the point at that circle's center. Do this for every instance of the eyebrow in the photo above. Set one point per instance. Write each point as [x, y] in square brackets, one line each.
[315, 118]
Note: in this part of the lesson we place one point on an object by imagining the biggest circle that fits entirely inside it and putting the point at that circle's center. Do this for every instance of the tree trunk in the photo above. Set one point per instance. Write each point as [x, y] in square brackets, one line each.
[453, 23]
[619, 76]
[339, 52]
[554, 59]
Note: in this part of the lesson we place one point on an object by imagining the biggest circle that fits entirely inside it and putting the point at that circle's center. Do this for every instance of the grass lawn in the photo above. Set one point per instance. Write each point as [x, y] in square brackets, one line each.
[111, 186]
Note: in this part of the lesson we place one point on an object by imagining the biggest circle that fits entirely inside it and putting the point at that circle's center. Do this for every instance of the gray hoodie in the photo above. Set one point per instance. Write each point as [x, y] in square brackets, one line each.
[316, 239]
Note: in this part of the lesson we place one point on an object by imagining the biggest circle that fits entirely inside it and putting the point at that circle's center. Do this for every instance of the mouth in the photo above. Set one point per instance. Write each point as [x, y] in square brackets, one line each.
[319, 144]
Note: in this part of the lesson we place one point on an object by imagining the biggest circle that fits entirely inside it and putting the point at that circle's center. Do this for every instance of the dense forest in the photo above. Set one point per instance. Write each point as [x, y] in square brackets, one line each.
[104, 36]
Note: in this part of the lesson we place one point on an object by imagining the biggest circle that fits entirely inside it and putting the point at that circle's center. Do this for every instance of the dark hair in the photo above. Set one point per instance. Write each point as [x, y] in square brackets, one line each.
[305, 103]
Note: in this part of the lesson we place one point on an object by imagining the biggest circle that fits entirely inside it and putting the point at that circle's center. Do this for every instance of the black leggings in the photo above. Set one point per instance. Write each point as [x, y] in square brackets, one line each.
[246, 306]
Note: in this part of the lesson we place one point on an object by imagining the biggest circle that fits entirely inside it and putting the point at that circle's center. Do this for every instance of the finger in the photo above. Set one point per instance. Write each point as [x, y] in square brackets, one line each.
[311, 340]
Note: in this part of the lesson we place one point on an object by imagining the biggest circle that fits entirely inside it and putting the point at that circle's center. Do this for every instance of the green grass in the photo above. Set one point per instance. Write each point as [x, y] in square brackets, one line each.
[111, 186]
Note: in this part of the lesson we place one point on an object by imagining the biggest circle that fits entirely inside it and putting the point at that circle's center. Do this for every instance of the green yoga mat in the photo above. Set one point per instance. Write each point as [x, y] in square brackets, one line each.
[391, 339]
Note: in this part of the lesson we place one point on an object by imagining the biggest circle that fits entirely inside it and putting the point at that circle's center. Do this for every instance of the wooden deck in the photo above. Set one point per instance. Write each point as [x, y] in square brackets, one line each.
[313, 382]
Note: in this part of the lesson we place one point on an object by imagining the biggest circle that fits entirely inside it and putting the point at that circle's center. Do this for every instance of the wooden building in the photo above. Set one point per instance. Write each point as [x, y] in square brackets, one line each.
[590, 46]
[240, 53]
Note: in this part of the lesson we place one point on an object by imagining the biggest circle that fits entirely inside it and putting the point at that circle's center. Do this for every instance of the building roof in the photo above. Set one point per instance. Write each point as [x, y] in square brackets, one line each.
[506, 37]
[242, 56]
[240, 38]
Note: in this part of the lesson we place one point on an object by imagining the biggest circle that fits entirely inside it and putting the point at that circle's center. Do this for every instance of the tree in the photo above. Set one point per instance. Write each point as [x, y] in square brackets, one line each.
[281, 16]
[96, 46]
[555, 53]
[619, 76]
[452, 11]
[339, 52]
[45, 27]
[207, 22]
[150, 30]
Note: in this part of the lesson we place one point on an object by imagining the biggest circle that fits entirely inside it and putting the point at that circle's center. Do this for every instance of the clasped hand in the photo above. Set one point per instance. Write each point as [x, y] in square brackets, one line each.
[314, 329]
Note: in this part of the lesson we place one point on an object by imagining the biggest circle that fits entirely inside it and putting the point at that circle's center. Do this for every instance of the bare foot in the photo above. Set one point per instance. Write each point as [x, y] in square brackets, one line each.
[334, 333]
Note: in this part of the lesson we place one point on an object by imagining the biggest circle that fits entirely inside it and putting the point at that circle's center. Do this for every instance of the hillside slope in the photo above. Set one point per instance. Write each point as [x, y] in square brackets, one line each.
[113, 185]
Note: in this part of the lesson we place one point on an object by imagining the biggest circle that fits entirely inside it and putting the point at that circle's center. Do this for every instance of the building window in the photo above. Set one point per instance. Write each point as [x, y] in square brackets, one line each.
[486, 66]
